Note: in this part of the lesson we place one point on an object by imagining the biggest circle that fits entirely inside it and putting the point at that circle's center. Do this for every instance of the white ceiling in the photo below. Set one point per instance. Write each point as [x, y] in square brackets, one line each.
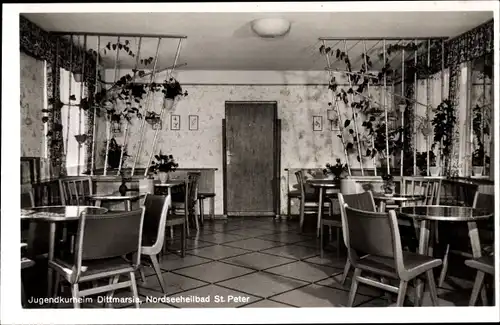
[224, 41]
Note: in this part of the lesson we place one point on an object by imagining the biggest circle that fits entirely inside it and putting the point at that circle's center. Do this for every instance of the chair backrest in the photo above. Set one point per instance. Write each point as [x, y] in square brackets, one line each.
[466, 194]
[421, 185]
[155, 218]
[362, 201]
[108, 235]
[484, 201]
[27, 196]
[373, 233]
[301, 181]
[74, 190]
[192, 190]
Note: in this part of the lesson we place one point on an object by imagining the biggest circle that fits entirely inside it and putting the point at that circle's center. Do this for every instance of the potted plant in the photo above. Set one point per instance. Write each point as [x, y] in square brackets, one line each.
[444, 124]
[163, 166]
[478, 160]
[422, 163]
[114, 153]
[335, 172]
[389, 185]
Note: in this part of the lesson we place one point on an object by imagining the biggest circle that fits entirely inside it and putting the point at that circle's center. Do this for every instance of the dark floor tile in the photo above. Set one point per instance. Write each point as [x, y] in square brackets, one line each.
[303, 271]
[254, 244]
[292, 251]
[217, 252]
[220, 238]
[171, 262]
[285, 237]
[214, 272]
[317, 296]
[262, 284]
[174, 283]
[257, 261]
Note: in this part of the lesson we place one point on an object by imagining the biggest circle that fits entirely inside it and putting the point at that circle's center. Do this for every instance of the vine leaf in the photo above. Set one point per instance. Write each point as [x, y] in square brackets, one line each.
[346, 123]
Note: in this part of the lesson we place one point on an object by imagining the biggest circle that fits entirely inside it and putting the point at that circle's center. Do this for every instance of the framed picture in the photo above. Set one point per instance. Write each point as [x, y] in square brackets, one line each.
[334, 124]
[175, 122]
[317, 123]
[193, 122]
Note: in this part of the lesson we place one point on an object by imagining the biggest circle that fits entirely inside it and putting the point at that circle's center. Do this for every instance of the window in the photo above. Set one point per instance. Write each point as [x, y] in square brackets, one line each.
[73, 121]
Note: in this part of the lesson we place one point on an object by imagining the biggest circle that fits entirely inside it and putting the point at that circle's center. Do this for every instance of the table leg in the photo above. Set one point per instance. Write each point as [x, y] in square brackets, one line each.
[476, 252]
[98, 203]
[381, 206]
[128, 205]
[212, 208]
[320, 210]
[52, 241]
[423, 247]
[202, 211]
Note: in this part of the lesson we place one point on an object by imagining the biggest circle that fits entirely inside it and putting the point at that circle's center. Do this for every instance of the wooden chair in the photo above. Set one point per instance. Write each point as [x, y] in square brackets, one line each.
[201, 199]
[377, 235]
[101, 255]
[483, 265]
[486, 229]
[25, 263]
[34, 233]
[153, 231]
[190, 197]
[362, 201]
[308, 199]
[75, 190]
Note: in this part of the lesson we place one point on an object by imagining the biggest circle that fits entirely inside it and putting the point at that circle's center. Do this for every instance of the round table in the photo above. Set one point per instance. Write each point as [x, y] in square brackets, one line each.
[170, 183]
[127, 199]
[397, 198]
[321, 185]
[53, 215]
[425, 214]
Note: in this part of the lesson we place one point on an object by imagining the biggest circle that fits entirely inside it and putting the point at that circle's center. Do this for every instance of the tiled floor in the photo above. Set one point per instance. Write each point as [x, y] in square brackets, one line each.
[260, 262]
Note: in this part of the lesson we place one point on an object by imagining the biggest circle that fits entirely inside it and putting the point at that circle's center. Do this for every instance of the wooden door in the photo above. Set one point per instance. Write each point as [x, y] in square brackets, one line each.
[251, 154]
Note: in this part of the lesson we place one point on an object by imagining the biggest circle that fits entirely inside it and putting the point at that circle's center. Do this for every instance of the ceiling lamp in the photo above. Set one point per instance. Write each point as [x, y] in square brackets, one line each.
[271, 27]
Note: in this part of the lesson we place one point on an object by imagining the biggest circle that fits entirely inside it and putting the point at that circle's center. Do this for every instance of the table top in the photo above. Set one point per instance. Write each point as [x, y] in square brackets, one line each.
[444, 213]
[134, 195]
[171, 183]
[398, 197]
[321, 182]
[60, 212]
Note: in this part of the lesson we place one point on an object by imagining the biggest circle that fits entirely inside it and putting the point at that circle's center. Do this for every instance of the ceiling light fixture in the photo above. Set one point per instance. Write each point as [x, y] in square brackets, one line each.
[271, 27]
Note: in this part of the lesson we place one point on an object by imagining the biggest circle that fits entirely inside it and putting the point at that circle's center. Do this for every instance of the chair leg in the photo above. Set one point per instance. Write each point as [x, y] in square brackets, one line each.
[202, 212]
[143, 276]
[403, 285]
[432, 287]
[387, 294]
[195, 212]
[288, 207]
[338, 242]
[183, 241]
[354, 287]
[75, 295]
[347, 267]
[110, 294]
[478, 284]
[321, 231]
[133, 286]
[156, 266]
[301, 215]
[24, 301]
[444, 269]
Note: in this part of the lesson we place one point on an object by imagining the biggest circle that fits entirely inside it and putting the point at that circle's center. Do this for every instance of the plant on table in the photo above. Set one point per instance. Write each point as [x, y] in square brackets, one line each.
[389, 185]
[336, 170]
[163, 166]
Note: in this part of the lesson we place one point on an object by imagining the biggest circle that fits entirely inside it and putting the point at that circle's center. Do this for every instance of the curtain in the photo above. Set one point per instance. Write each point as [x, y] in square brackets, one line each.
[467, 47]
[55, 50]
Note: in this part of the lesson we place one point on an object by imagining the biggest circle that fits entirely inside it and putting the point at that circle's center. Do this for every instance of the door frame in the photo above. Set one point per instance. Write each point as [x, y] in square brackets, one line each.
[276, 159]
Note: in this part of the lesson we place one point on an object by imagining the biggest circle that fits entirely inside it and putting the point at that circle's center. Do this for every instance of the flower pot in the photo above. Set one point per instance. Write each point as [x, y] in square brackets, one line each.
[78, 77]
[146, 185]
[435, 170]
[163, 176]
[350, 186]
[477, 170]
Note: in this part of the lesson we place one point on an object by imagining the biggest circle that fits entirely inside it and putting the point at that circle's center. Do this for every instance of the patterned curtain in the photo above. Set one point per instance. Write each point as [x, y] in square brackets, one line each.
[42, 45]
[467, 47]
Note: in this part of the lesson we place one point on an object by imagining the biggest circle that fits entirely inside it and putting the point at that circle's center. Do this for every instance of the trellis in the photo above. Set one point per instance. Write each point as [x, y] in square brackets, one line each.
[105, 98]
[410, 71]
